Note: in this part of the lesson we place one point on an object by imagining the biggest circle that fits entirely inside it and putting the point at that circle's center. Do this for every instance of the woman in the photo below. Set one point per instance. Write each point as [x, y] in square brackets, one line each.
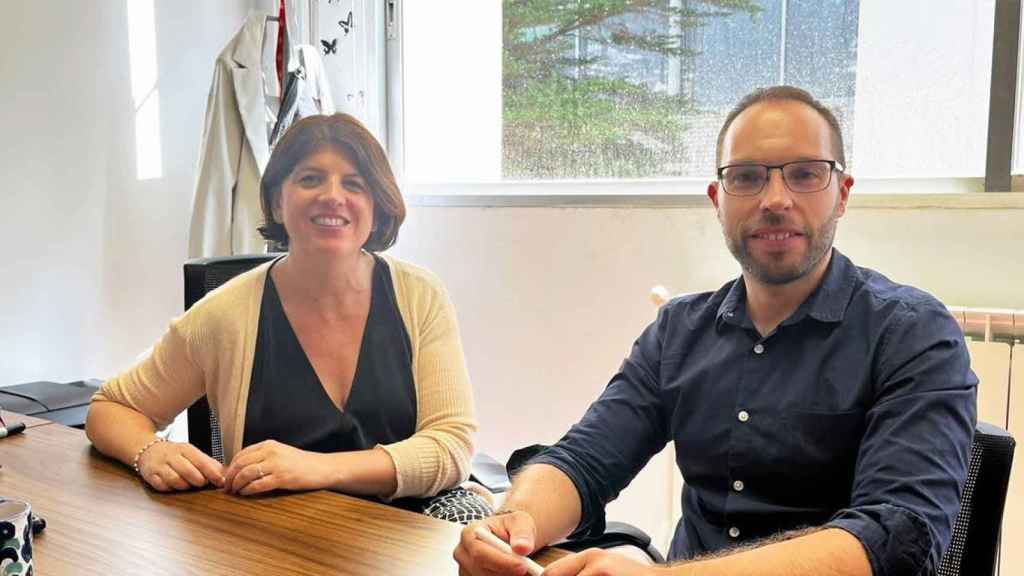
[331, 367]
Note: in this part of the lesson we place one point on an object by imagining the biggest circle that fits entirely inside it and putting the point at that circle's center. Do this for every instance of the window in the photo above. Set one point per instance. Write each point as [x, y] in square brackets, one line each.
[145, 95]
[585, 90]
[922, 97]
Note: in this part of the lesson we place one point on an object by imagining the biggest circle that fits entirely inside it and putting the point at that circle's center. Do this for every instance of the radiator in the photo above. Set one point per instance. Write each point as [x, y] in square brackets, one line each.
[995, 340]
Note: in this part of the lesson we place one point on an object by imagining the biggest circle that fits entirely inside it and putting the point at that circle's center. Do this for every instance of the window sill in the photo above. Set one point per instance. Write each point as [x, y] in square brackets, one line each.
[968, 201]
[910, 201]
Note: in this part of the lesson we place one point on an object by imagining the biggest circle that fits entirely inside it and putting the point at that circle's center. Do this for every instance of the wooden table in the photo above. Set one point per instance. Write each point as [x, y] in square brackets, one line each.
[30, 421]
[101, 520]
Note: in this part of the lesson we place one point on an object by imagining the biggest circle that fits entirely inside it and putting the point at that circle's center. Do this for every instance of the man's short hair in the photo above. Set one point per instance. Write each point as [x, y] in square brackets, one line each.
[777, 94]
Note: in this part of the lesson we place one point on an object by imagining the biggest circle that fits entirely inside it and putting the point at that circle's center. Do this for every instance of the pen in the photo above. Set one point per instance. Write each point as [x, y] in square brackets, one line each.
[16, 428]
[487, 536]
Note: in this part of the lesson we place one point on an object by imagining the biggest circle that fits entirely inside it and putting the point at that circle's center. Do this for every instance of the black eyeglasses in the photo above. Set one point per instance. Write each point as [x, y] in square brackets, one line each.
[802, 176]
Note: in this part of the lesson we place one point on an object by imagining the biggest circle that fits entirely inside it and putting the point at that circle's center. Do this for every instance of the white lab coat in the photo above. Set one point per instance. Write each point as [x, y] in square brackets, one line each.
[234, 150]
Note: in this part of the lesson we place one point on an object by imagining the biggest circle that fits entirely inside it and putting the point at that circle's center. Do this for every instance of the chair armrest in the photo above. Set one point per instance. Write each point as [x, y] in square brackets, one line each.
[993, 430]
[615, 534]
[489, 473]
[494, 476]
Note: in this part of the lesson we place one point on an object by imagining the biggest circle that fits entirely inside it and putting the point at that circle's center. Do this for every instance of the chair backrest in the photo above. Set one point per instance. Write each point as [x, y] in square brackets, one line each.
[203, 275]
[975, 541]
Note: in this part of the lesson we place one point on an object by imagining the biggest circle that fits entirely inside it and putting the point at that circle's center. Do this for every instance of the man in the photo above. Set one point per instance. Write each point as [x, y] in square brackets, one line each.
[822, 414]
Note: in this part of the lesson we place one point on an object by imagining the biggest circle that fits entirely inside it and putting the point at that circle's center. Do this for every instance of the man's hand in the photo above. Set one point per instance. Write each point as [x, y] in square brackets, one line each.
[169, 466]
[271, 465]
[595, 562]
[478, 558]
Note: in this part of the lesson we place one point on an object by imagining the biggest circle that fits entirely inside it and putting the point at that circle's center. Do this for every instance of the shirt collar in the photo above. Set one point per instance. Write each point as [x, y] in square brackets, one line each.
[733, 309]
[829, 300]
[827, 303]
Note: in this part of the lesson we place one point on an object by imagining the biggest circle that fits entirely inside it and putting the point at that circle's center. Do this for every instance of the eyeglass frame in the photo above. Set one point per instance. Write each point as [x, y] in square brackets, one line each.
[834, 166]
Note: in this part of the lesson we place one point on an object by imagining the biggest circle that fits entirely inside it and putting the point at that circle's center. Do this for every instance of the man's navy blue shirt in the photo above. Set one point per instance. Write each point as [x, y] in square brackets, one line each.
[857, 412]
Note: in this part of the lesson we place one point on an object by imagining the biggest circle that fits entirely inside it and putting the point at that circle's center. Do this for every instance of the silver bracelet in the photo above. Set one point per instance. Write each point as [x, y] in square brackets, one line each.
[135, 460]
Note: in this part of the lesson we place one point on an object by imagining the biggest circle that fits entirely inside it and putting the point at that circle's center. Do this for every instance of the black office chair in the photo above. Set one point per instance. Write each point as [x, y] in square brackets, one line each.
[203, 275]
[975, 543]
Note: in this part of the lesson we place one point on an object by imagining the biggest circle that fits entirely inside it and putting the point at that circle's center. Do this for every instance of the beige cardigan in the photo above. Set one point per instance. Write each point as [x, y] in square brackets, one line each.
[209, 350]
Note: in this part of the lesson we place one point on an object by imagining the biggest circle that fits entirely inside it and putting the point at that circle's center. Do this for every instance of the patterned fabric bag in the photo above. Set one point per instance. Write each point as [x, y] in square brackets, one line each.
[458, 505]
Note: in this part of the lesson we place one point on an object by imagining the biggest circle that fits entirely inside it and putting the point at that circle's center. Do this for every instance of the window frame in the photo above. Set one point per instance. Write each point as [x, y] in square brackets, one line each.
[1004, 107]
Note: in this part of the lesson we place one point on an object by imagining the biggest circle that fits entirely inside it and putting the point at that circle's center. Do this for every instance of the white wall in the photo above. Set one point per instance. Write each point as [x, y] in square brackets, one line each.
[93, 264]
[54, 183]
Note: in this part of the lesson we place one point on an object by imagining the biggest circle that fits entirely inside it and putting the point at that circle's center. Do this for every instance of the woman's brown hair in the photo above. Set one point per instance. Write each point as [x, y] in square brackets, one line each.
[349, 137]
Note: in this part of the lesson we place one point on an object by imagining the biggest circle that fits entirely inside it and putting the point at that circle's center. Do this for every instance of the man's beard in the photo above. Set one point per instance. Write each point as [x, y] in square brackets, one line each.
[774, 272]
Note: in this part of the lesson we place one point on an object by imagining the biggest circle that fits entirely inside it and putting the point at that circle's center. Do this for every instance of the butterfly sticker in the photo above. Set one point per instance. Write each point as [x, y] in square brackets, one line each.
[346, 24]
[329, 47]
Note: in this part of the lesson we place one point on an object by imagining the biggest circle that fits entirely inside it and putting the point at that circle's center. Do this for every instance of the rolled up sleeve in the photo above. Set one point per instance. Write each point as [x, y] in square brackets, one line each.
[913, 458]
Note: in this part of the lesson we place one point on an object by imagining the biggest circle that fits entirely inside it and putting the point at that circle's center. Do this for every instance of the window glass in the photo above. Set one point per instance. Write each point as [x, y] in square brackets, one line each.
[608, 89]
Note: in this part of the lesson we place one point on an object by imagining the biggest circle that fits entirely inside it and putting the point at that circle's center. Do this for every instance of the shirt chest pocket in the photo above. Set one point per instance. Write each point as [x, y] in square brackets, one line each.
[815, 454]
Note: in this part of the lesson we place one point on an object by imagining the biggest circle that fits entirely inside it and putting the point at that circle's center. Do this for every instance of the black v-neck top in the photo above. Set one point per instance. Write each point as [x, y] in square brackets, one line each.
[287, 402]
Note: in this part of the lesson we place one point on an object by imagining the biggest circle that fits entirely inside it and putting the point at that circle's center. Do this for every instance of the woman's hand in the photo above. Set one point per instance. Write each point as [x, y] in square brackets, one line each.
[168, 466]
[271, 465]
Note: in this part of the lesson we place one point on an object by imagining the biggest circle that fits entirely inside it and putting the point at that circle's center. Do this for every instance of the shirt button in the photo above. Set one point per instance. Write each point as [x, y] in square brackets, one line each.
[743, 416]
[734, 532]
[738, 485]
[758, 348]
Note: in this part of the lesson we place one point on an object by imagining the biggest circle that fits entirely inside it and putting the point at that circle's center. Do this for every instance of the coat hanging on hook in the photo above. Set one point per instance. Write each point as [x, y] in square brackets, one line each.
[236, 138]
